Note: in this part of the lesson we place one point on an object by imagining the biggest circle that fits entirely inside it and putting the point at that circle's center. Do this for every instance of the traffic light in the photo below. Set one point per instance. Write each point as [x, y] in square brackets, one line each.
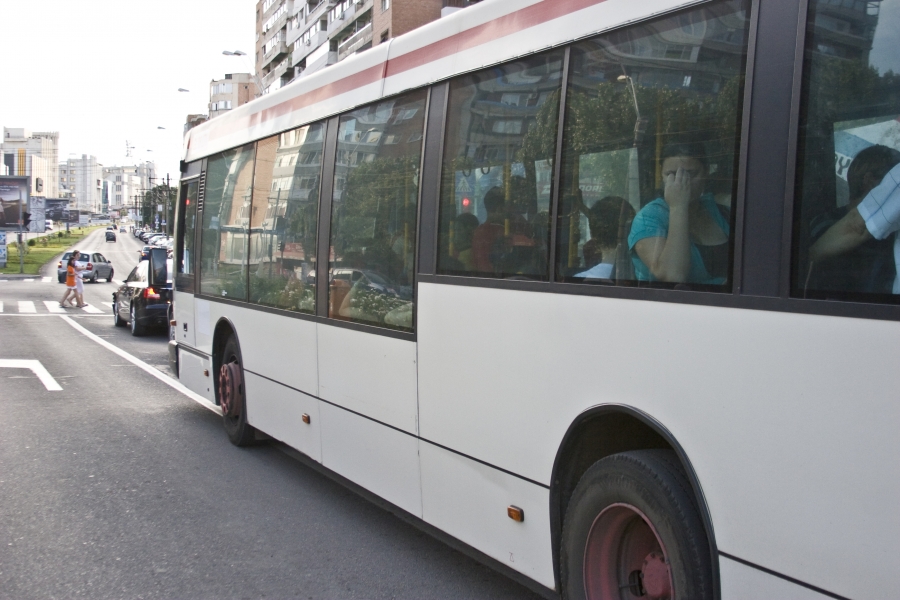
[26, 220]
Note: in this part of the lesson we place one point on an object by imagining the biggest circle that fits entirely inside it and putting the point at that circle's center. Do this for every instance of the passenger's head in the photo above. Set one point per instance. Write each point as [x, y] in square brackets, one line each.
[690, 156]
[466, 224]
[868, 169]
[494, 200]
[607, 217]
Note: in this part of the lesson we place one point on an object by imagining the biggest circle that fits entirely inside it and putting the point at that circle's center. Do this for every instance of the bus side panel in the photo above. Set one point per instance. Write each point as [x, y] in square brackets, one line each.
[280, 348]
[279, 410]
[184, 318]
[373, 375]
[469, 501]
[378, 458]
[740, 582]
[191, 372]
[789, 420]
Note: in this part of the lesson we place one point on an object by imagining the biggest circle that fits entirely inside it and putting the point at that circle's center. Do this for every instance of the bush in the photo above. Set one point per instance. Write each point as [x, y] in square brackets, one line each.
[32, 242]
[59, 234]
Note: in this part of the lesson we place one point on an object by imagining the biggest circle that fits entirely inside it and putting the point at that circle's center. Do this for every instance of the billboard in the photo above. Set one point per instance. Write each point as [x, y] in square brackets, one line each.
[57, 209]
[12, 190]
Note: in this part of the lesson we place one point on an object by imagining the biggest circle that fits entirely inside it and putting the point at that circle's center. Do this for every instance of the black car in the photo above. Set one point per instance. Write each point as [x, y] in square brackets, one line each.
[110, 236]
[144, 299]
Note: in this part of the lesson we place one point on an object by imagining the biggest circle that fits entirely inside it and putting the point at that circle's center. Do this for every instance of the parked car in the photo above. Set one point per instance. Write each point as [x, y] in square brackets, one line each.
[110, 236]
[144, 300]
[97, 267]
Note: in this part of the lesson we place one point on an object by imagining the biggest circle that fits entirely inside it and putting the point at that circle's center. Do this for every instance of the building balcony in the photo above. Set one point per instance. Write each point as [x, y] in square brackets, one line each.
[277, 52]
[355, 42]
[302, 50]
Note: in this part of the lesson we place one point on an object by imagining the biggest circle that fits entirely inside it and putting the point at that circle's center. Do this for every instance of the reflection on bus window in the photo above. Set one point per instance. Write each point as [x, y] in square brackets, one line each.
[374, 208]
[188, 227]
[226, 219]
[649, 155]
[847, 209]
[283, 219]
[497, 172]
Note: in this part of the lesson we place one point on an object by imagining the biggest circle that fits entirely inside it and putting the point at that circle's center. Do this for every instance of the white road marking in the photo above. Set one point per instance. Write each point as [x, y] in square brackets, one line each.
[91, 309]
[109, 304]
[1, 307]
[28, 280]
[46, 279]
[172, 383]
[37, 367]
[26, 306]
[54, 307]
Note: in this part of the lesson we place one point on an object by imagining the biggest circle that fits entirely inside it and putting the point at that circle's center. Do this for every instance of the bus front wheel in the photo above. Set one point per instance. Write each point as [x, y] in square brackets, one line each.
[632, 529]
[230, 392]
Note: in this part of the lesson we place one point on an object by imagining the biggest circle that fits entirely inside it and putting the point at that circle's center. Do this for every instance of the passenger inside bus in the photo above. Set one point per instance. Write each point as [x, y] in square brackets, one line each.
[486, 235]
[609, 221]
[877, 216]
[683, 236]
[868, 267]
[464, 231]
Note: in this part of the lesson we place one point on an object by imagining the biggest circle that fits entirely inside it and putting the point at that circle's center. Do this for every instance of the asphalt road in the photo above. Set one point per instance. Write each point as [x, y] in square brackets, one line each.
[119, 486]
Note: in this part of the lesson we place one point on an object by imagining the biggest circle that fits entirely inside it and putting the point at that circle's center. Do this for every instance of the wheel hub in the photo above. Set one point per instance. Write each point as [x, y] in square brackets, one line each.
[230, 389]
[624, 557]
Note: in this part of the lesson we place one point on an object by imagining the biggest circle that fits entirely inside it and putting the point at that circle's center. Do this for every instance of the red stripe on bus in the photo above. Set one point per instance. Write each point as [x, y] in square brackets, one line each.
[530, 16]
[487, 32]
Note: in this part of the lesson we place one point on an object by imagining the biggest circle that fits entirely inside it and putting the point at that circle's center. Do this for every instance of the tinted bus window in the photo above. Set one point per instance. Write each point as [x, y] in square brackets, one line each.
[284, 217]
[226, 219]
[373, 223]
[847, 207]
[188, 227]
[497, 171]
[650, 148]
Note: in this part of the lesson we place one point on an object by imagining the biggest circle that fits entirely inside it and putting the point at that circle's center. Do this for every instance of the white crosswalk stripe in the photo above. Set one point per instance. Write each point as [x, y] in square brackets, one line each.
[54, 307]
[26, 306]
[107, 304]
[28, 280]
[1, 307]
[46, 279]
[91, 309]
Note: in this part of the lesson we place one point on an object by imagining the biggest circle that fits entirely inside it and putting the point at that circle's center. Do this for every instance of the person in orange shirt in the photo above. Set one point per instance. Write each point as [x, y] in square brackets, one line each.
[70, 282]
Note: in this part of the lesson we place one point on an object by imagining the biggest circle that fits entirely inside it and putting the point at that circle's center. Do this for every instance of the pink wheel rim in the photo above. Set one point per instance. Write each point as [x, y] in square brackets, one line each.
[625, 558]
[229, 389]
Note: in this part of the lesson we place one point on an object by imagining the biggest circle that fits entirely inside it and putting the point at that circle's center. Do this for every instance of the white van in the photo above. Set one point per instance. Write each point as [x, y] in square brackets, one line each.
[48, 225]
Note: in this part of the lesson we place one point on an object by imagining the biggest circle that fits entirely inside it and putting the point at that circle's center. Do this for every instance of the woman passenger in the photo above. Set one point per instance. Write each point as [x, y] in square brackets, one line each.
[683, 236]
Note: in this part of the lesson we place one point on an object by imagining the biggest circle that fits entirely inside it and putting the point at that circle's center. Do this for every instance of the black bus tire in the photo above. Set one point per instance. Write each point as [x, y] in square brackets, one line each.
[637, 511]
[234, 406]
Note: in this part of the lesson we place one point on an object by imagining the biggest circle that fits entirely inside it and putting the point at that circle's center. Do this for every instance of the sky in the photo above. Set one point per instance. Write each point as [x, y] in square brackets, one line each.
[101, 72]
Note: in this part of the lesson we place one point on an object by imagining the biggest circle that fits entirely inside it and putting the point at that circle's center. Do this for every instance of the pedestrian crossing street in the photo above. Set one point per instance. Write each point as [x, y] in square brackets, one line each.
[28, 307]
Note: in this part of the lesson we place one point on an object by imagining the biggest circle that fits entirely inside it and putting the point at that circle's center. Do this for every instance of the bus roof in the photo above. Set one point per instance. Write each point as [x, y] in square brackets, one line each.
[485, 34]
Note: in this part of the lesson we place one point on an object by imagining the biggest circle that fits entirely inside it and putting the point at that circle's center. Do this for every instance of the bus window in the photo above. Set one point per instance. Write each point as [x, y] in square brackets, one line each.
[374, 208]
[283, 219]
[188, 216]
[226, 210]
[497, 173]
[652, 121]
[847, 203]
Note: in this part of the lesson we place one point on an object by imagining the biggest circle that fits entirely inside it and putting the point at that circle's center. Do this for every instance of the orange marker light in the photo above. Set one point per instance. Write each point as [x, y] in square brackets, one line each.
[305, 418]
[515, 513]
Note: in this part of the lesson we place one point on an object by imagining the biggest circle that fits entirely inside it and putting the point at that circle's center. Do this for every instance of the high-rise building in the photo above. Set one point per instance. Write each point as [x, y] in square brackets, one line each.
[34, 155]
[81, 180]
[231, 92]
[127, 184]
[298, 37]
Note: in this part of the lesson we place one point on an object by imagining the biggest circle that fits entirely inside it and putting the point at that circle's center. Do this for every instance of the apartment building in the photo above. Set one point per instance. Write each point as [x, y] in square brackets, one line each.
[81, 180]
[126, 184]
[236, 89]
[32, 154]
[299, 37]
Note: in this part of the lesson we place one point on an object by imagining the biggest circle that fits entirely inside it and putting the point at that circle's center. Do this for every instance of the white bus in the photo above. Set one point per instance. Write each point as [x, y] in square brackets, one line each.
[538, 274]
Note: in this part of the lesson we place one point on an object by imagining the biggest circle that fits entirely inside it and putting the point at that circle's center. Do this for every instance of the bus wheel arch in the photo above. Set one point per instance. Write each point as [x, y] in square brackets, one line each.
[603, 431]
[228, 371]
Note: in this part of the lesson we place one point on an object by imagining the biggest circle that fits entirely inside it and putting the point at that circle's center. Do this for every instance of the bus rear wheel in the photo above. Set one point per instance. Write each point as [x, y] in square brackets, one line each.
[632, 529]
[230, 394]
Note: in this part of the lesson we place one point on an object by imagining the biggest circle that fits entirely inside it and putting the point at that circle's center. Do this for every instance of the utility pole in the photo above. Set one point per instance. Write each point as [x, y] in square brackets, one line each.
[20, 244]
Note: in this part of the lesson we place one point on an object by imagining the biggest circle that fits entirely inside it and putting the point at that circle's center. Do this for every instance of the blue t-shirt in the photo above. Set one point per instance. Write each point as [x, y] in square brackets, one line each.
[653, 221]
